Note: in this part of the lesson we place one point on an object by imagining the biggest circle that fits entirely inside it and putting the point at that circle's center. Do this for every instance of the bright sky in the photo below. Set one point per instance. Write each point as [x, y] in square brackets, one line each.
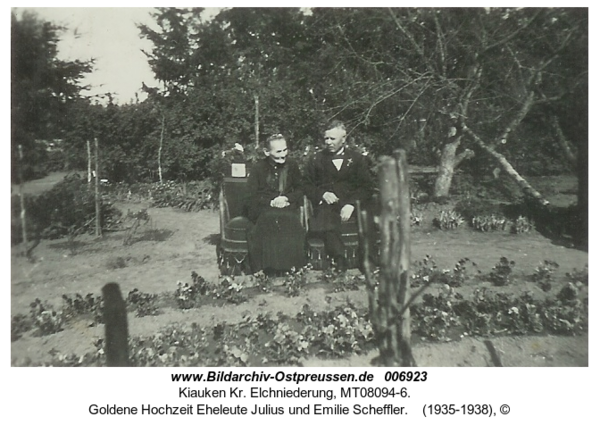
[111, 37]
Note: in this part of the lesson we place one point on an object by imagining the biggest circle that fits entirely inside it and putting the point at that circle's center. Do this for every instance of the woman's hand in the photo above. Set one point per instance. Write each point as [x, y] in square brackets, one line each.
[280, 202]
[330, 198]
[346, 212]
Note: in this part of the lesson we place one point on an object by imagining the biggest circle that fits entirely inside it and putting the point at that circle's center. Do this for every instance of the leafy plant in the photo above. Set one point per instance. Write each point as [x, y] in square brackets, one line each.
[296, 280]
[190, 295]
[490, 223]
[45, 320]
[568, 293]
[416, 218]
[522, 225]
[568, 314]
[78, 305]
[501, 272]
[264, 282]
[461, 273]
[287, 346]
[143, 303]
[448, 220]
[342, 282]
[544, 274]
[435, 316]
[343, 331]
[578, 276]
[427, 272]
[230, 291]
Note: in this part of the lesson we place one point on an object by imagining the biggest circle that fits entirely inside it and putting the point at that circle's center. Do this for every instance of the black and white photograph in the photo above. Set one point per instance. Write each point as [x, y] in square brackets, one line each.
[319, 187]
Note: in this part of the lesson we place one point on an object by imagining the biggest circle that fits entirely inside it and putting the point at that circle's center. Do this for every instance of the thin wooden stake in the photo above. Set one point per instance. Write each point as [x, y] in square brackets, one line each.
[89, 163]
[97, 189]
[160, 147]
[256, 121]
[22, 199]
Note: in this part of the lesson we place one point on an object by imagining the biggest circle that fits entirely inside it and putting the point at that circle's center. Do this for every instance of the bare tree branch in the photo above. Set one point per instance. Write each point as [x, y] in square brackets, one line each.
[412, 40]
[566, 146]
[511, 35]
[507, 167]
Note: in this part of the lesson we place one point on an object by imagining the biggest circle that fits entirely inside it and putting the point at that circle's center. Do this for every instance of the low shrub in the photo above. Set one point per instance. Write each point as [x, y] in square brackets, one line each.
[296, 280]
[544, 274]
[46, 321]
[577, 275]
[68, 209]
[142, 303]
[427, 273]
[522, 225]
[189, 196]
[190, 295]
[501, 272]
[490, 223]
[77, 305]
[448, 220]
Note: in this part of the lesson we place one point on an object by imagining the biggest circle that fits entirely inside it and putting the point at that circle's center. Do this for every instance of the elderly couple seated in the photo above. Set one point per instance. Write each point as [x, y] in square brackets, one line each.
[334, 180]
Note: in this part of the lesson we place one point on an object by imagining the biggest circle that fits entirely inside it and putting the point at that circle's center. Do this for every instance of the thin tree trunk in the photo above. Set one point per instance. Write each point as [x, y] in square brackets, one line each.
[160, 147]
[97, 189]
[449, 161]
[22, 199]
[446, 170]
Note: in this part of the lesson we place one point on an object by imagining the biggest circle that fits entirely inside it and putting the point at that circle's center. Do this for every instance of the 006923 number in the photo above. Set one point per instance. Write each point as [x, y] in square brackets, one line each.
[406, 376]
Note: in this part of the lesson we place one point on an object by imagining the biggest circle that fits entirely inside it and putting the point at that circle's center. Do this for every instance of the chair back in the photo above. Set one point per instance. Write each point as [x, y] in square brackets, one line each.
[234, 194]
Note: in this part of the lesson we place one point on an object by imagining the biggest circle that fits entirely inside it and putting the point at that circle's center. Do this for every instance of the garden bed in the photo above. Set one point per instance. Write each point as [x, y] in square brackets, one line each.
[242, 322]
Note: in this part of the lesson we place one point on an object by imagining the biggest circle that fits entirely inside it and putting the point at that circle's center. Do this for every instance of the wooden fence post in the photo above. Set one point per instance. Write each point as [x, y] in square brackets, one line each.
[115, 326]
[97, 189]
[388, 298]
[89, 163]
[160, 147]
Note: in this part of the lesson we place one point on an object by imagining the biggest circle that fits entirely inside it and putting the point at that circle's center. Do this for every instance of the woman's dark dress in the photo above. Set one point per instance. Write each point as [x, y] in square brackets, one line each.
[277, 241]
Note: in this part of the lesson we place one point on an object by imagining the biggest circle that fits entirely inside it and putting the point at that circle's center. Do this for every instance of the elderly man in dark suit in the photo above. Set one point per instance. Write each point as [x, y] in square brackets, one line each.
[337, 178]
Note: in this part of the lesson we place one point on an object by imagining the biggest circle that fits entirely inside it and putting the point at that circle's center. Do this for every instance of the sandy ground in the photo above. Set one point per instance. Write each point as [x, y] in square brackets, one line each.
[176, 243]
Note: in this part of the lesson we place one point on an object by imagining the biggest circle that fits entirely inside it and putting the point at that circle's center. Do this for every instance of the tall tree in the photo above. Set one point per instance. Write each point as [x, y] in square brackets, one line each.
[212, 72]
[42, 86]
[431, 77]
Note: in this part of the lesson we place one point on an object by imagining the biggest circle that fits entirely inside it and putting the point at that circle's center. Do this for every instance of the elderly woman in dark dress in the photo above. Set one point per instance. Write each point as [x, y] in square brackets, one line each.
[277, 241]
